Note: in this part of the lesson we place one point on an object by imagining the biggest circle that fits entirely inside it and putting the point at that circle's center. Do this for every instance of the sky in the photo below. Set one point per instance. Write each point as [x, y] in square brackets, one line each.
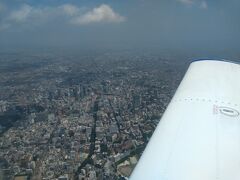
[191, 25]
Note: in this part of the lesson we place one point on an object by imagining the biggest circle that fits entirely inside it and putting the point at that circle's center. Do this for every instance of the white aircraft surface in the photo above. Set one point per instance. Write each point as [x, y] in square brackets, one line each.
[198, 137]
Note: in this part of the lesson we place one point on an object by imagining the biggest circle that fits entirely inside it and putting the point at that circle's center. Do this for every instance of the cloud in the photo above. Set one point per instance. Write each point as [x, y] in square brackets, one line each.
[30, 16]
[21, 14]
[204, 5]
[197, 3]
[70, 9]
[186, 2]
[103, 13]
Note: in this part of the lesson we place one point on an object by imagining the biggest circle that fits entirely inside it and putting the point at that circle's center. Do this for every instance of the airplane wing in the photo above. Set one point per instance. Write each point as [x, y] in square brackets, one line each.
[198, 137]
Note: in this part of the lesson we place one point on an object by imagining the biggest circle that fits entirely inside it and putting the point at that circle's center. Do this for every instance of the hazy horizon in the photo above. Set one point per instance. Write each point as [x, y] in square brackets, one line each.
[194, 26]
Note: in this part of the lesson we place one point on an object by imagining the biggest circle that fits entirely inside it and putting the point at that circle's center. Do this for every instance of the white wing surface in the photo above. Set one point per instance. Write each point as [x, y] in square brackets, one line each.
[198, 137]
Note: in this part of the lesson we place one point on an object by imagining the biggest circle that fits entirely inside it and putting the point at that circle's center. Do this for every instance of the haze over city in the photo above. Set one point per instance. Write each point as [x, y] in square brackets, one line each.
[187, 25]
[83, 84]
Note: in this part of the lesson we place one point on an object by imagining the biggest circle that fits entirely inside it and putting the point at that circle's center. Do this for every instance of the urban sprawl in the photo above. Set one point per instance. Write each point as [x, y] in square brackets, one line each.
[80, 116]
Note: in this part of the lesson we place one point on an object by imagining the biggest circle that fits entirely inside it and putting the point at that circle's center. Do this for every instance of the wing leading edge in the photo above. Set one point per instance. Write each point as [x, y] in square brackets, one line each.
[198, 136]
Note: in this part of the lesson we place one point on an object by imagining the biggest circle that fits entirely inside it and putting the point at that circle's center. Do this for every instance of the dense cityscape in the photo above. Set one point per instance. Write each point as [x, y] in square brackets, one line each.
[81, 116]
